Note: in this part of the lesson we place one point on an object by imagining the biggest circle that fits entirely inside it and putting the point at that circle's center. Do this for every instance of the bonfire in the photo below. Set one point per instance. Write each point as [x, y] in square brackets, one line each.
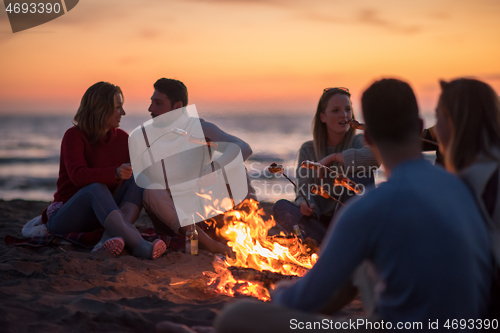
[259, 260]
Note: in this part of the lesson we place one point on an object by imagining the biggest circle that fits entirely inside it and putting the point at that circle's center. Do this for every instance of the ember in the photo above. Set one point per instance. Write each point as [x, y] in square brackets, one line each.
[260, 260]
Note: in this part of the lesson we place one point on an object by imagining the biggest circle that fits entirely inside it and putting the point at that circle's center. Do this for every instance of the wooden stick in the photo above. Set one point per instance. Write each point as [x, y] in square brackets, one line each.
[276, 168]
[298, 190]
[320, 190]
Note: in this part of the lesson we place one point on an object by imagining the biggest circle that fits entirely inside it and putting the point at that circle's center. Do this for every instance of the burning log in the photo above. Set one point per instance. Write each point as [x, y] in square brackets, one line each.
[357, 125]
[319, 190]
[277, 168]
[268, 278]
[247, 235]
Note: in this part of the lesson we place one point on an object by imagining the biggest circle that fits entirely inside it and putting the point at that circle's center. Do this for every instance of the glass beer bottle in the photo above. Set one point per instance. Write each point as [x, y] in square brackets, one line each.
[192, 238]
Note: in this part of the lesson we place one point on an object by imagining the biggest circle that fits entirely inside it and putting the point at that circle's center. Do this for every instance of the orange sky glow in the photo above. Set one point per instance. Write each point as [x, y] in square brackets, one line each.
[246, 55]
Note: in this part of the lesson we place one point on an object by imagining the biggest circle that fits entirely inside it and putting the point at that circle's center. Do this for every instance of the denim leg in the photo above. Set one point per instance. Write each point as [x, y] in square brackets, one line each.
[287, 214]
[85, 211]
[313, 228]
[129, 192]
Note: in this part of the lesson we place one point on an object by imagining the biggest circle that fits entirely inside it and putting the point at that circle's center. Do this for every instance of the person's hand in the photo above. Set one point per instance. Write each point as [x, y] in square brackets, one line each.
[305, 210]
[328, 159]
[124, 171]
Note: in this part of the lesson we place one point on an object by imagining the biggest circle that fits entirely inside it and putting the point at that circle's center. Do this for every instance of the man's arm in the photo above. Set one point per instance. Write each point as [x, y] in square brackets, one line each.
[214, 133]
[347, 245]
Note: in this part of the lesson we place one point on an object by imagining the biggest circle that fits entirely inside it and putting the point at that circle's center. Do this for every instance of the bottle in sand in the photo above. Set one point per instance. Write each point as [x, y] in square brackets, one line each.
[192, 238]
[298, 232]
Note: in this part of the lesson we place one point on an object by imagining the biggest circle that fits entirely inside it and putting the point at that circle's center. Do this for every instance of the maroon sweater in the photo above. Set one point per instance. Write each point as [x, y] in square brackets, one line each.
[83, 163]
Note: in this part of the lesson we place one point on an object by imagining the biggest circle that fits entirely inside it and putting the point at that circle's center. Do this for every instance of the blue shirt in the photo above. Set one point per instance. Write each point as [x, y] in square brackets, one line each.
[426, 239]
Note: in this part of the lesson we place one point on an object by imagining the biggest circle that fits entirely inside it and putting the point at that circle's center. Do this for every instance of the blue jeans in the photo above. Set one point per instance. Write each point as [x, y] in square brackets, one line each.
[89, 207]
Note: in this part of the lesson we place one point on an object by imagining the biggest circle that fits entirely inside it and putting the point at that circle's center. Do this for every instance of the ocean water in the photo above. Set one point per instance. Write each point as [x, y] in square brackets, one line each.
[30, 147]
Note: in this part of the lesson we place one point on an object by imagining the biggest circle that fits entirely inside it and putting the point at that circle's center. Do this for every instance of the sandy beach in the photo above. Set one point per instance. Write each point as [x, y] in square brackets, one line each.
[65, 288]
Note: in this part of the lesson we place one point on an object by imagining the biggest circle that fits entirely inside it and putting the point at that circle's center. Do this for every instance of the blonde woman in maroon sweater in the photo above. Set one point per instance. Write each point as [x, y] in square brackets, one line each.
[95, 186]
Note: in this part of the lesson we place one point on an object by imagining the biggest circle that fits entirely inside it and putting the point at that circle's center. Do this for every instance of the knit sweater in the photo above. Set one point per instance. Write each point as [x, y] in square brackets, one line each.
[357, 159]
[83, 163]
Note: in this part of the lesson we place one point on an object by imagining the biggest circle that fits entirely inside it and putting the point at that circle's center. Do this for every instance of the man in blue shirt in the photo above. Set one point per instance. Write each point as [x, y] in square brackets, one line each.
[420, 231]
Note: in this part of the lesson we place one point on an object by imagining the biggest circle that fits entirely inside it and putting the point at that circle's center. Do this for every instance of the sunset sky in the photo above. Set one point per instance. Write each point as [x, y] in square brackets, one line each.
[246, 55]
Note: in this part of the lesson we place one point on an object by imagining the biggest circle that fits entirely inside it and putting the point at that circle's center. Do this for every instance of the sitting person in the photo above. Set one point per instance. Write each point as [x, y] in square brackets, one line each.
[95, 188]
[170, 95]
[420, 232]
[468, 131]
[335, 145]
[429, 139]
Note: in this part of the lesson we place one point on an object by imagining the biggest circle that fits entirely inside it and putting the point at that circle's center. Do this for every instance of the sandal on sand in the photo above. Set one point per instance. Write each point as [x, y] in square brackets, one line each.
[159, 248]
[113, 245]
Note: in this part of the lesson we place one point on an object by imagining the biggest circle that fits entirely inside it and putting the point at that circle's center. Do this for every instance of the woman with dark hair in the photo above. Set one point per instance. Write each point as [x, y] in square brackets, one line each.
[335, 145]
[468, 132]
[95, 187]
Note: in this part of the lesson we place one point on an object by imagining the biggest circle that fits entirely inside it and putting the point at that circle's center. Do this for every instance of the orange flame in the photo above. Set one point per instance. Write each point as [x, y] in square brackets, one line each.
[247, 235]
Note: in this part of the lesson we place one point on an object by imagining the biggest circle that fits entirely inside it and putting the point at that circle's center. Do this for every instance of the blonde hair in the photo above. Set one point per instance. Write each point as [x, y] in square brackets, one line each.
[96, 107]
[473, 108]
[319, 130]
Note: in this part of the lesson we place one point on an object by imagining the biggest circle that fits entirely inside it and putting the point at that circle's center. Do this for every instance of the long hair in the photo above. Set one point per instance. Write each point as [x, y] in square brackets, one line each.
[320, 132]
[474, 110]
[96, 107]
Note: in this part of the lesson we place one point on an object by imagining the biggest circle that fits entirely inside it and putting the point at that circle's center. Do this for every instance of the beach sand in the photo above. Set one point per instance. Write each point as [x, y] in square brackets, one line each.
[65, 288]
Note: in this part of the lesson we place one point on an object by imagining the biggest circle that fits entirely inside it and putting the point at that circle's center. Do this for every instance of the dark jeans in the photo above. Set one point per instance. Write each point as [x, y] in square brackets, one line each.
[89, 207]
[287, 214]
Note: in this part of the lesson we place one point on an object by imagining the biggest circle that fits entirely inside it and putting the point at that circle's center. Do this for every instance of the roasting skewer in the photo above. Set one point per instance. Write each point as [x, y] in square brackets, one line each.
[203, 142]
[319, 190]
[357, 125]
[317, 166]
[277, 168]
[347, 183]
